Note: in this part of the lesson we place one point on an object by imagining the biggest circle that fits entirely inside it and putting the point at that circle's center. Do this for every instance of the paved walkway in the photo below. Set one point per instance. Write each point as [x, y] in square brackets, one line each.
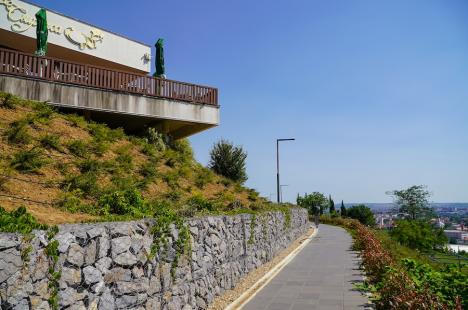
[321, 276]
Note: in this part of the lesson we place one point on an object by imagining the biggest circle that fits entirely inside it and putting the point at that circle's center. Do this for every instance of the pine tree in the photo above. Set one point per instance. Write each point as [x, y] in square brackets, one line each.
[228, 160]
[342, 209]
[331, 204]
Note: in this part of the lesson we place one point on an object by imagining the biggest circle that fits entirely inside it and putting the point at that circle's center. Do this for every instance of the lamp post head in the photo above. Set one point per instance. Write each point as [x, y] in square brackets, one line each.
[289, 139]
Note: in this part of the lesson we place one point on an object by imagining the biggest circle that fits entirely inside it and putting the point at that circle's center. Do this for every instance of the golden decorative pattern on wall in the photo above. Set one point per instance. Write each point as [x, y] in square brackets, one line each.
[21, 22]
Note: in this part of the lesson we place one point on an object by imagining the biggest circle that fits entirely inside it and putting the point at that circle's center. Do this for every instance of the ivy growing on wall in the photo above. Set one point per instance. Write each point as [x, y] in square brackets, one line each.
[253, 219]
[54, 276]
[161, 230]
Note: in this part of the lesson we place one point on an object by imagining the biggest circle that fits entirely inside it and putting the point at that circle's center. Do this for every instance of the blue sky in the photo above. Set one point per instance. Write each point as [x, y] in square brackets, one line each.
[375, 92]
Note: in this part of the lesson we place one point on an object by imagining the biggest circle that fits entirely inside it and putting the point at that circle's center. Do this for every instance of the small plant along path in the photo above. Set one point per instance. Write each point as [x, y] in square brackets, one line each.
[322, 276]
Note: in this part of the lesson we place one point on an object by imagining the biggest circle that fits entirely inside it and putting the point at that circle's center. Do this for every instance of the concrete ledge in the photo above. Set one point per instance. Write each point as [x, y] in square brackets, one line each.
[171, 115]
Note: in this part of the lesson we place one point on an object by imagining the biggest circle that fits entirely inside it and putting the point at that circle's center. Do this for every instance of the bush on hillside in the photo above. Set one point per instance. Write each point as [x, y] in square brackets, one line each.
[18, 220]
[99, 147]
[44, 112]
[183, 147]
[229, 161]
[51, 141]
[204, 176]
[128, 202]
[28, 161]
[76, 120]
[199, 203]
[18, 133]
[361, 213]
[156, 139]
[85, 182]
[124, 159]
[78, 148]
[9, 101]
[149, 170]
[418, 235]
[101, 132]
[71, 202]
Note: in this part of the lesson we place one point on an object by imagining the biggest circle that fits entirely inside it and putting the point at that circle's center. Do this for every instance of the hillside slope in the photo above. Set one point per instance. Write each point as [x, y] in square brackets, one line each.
[65, 169]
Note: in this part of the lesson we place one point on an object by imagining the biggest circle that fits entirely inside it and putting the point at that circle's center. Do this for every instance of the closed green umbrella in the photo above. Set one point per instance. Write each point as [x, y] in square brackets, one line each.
[160, 71]
[41, 32]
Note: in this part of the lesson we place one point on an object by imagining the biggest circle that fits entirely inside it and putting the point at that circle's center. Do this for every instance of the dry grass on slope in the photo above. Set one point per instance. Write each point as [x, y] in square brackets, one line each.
[60, 166]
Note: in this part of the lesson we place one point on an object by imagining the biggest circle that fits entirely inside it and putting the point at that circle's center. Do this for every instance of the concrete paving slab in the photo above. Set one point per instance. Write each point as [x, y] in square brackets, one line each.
[321, 276]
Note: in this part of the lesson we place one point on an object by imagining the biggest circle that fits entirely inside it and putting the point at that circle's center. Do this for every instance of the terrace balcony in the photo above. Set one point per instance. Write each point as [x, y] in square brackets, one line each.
[121, 99]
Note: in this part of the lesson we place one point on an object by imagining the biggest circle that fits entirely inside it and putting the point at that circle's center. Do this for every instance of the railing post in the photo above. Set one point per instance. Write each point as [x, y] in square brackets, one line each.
[14, 62]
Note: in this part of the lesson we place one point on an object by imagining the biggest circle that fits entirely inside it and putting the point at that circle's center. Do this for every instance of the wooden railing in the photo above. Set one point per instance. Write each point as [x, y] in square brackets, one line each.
[57, 70]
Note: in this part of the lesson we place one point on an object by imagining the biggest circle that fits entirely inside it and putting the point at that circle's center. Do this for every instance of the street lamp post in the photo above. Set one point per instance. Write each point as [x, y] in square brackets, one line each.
[277, 167]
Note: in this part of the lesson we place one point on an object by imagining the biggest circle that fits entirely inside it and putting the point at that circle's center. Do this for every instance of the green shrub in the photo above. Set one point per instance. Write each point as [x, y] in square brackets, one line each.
[149, 170]
[63, 167]
[183, 147]
[253, 195]
[361, 213]
[18, 133]
[124, 159]
[18, 220]
[226, 182]
[101, 132]
[28, 161]
[44, 112]
[90, 165]
[78, 148]
[98, 131]
[123, 181]
[86, 182]
[446, 283]
[418, 235]
[171, 178]
[116, 134]
[237, 204]
[184, 170]
[76, 120]
[148, 149]
[128, 202]
[72, 202]
[158, 140]
[204, 177]
[200, 203]
[51, 141]
[3, 181]
[171, 157]
[174, 195]
[9, 102]
[99, 147]
[224, 197]
[315, 203]
[238, 188]
[229, 161]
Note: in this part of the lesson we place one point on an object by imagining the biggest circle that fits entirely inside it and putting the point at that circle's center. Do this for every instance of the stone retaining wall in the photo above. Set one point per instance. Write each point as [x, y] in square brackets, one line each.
[109, 266]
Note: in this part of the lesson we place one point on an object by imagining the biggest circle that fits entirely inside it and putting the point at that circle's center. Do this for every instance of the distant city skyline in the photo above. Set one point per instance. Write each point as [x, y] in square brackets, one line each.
[374, 92]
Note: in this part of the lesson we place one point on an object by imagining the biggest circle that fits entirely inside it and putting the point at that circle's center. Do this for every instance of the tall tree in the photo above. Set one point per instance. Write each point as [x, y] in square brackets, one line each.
[331, 204]
[414, 201]
[342, 209]
[314, 202]
[362, 213]
[228, 160]
[418, 235]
